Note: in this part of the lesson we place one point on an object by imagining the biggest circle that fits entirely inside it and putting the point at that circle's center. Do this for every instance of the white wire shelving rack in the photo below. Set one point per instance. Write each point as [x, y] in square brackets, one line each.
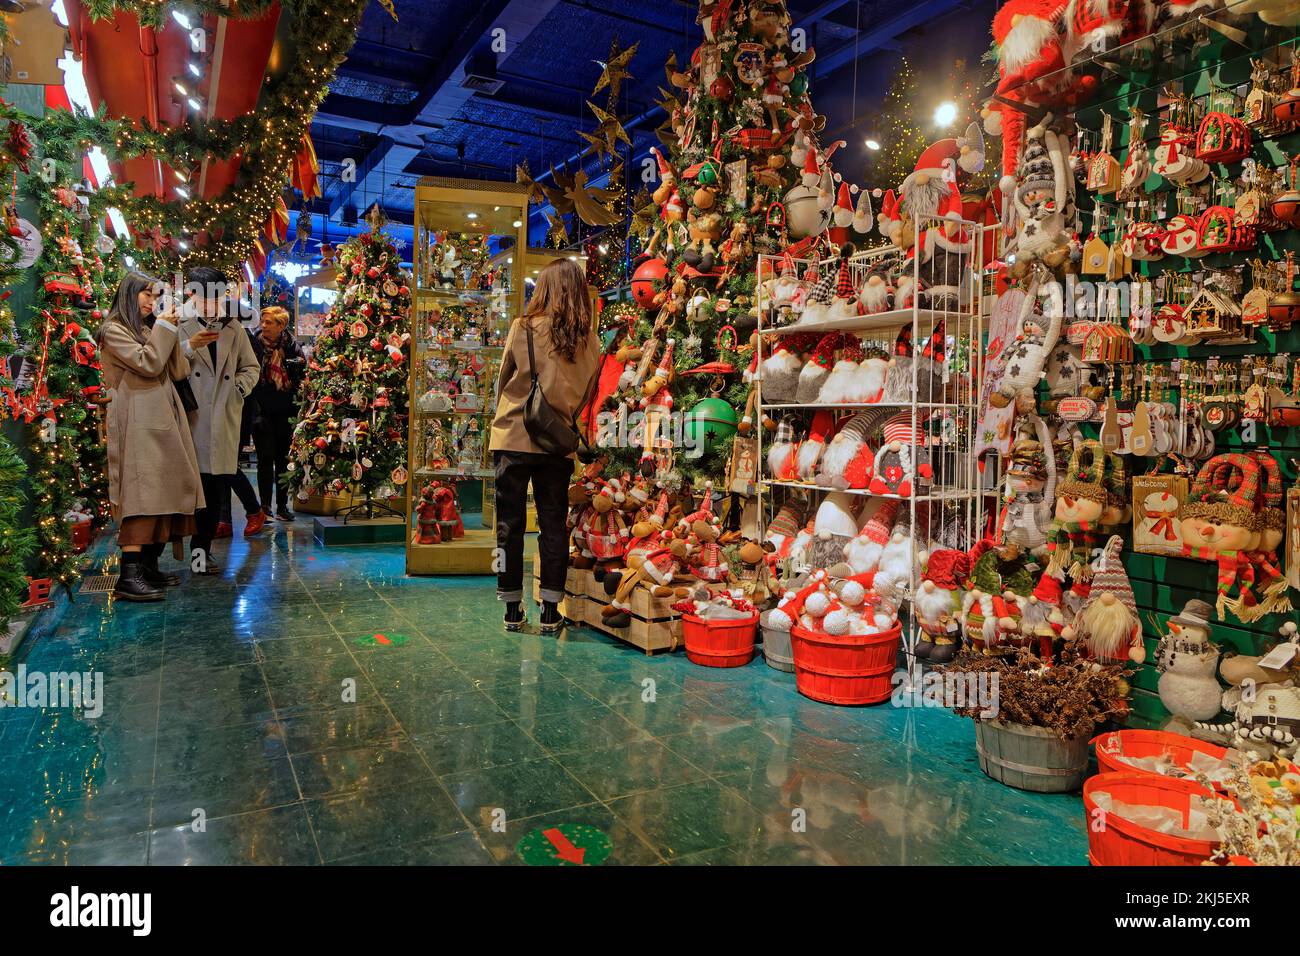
[954, 509]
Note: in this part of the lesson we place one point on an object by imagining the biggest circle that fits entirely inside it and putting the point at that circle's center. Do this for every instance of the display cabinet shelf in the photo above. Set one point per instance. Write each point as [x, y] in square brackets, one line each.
[482, 225]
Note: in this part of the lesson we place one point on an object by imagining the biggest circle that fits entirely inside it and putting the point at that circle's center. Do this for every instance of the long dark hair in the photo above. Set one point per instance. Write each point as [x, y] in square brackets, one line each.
[562, 294]
[126, 303]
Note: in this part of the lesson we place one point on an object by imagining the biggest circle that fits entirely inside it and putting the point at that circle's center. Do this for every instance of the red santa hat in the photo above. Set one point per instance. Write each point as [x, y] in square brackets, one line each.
[844, 206]
[665, 366]
[1049, 590]
[666, 173]
[812, 173]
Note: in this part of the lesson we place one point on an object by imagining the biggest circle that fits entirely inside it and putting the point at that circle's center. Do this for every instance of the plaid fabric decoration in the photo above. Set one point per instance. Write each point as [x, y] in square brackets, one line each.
[903, 344]
[824, 290]
[844, 282]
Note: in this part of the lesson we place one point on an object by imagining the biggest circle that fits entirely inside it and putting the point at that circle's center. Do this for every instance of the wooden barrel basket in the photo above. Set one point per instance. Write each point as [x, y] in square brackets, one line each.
[1031, 758]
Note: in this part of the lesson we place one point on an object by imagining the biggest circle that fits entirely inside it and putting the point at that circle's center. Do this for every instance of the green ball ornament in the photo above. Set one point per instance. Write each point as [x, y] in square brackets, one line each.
[799, 85]
[709, 424]
[708, 175]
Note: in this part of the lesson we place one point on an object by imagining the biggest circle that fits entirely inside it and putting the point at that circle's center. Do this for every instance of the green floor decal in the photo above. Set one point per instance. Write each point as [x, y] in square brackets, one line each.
[569, 844]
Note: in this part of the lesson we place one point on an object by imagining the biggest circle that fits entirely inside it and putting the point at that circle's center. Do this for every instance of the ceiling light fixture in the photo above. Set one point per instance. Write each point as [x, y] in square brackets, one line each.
[945, 114]
[873, 144]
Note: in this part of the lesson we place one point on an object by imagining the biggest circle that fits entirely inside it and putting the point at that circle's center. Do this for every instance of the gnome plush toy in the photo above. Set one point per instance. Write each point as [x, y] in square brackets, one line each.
[780, 370]
[782, 463]
[811, 448]
[817, 306]
[817, 369]
[844, 305]
[842, 386]
[937, 604]
[1108, 625]
[862, 553]
[833, 528]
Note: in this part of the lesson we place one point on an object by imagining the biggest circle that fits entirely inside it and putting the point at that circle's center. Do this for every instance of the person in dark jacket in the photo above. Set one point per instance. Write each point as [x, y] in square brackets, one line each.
[275, 405]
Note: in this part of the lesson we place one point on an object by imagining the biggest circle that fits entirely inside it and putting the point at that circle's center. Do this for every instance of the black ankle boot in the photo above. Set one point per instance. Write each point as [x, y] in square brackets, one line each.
[131, 585]
[514, 615]
[159, 579]
[550, 621]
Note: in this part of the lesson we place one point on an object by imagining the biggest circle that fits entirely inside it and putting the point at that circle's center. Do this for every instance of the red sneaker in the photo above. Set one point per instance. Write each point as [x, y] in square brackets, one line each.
[255, 524]
[224, 530]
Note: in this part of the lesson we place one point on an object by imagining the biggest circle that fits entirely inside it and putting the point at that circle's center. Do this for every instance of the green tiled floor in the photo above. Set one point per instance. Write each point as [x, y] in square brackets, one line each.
[250, 702]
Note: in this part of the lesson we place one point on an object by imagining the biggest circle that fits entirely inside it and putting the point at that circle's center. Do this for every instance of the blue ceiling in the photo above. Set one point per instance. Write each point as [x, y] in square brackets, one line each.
[399, 108]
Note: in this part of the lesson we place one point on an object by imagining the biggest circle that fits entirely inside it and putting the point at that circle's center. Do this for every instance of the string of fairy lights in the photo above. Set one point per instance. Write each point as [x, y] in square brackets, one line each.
[223, 231]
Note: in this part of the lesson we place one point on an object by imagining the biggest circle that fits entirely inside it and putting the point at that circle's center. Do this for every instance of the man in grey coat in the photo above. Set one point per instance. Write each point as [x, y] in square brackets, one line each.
[222, 375]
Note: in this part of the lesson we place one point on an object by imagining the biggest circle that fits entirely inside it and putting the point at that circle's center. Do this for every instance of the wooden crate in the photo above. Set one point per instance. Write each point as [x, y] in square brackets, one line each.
[323, 505]
[655, 625]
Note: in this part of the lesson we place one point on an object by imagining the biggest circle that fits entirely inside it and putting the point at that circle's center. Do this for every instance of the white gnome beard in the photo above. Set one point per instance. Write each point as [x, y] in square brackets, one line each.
[778, 459]
[811, 379]
[922, 200]
[933, 604]
[839, 454]
[808, 455]
[780, 374]
[838, 387]
[1025, 42]
[875, 297]
[1107, 628]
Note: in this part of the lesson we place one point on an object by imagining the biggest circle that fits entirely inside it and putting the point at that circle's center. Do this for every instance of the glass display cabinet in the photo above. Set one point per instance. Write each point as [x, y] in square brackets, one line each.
[468, 288]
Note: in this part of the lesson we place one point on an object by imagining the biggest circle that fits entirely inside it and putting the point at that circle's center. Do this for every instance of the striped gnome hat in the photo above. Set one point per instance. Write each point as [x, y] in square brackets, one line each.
[1111, 578]
[788, 268]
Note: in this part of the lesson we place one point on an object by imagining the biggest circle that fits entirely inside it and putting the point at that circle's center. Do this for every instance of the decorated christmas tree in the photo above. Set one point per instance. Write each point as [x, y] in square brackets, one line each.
[352, 429]
[901, 136]
[741, 172]
[16, 539]
[58, 389]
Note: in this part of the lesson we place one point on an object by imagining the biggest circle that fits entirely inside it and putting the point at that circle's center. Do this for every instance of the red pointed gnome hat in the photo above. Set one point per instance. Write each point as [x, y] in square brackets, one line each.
[812, 173]
[788, 269]
[844, 206]
[947, 568]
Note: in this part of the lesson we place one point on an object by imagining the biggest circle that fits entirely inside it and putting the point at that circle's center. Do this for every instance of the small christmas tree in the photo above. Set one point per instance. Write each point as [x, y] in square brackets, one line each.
[352, 429]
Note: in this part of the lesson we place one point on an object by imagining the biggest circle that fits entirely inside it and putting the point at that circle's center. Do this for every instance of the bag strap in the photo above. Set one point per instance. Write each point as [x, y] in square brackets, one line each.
[532, 359]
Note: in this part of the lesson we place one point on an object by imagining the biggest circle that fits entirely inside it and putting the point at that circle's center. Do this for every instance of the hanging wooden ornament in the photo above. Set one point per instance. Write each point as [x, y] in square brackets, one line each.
[1104, 171]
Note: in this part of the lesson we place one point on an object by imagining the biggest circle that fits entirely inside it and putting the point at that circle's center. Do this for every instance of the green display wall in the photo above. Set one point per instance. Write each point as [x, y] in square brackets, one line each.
[1198, 63]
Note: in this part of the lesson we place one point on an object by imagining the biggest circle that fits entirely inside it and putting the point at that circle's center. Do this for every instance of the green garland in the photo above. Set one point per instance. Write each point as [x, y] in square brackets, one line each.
[267, 139]
[16, 540]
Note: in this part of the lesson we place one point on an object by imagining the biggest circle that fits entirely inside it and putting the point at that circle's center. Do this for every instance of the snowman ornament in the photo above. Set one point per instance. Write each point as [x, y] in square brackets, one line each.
[1187, 662]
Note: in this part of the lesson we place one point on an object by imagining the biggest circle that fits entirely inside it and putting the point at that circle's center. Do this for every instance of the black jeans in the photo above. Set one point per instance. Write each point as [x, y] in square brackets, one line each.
[216, 489]
[550, 476]
[243, 489]
[272, 436]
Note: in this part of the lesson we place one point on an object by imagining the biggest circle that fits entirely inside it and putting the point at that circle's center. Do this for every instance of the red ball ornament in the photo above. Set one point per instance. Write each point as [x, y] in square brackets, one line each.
[321, 443]
[647, 273]
[723, 89]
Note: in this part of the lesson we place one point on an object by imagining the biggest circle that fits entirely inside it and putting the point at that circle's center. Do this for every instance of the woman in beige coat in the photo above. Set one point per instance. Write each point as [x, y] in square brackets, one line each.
[567, 355]
[153, 473]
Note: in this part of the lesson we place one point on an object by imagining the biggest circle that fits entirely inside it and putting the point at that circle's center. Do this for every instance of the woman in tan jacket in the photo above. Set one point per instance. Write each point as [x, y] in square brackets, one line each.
[568, 355]
[153, 474]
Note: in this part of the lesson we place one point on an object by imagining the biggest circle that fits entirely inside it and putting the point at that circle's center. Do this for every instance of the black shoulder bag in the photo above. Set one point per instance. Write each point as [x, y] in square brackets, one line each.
[547, 429]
